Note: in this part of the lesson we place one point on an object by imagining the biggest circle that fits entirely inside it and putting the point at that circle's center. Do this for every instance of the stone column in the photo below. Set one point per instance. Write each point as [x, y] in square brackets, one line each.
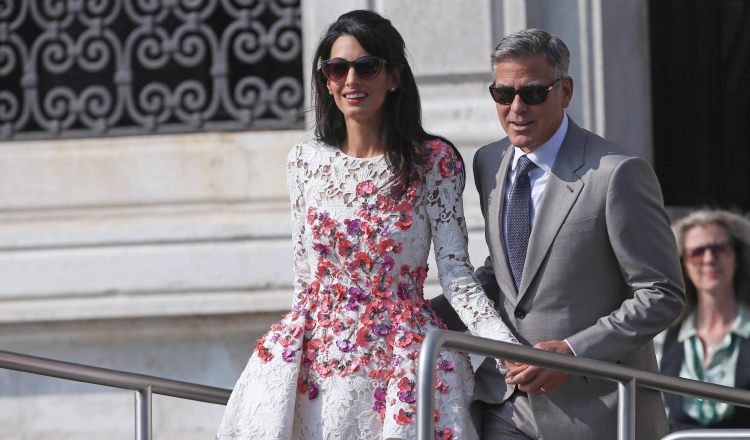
[610, 63]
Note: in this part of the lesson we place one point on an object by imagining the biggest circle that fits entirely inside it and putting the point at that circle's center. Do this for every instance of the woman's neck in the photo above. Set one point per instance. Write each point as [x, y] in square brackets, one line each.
[716, 309]
[362, 140]
[714, 317]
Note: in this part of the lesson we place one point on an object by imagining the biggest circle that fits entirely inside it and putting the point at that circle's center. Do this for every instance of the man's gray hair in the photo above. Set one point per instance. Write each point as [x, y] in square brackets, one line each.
[532, 42]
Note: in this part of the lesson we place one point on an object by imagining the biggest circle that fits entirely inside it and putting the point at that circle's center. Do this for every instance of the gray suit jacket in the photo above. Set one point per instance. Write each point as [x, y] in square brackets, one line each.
[601, 271]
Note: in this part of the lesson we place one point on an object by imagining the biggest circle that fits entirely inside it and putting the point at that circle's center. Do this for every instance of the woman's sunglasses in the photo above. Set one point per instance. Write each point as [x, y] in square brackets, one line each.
[366, 68]
[531, 95]
[695, 255]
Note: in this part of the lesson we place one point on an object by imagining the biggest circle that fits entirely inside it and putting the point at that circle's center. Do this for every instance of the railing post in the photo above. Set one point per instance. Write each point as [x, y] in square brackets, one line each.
[426, 380]
[626, 410]
[143, 414]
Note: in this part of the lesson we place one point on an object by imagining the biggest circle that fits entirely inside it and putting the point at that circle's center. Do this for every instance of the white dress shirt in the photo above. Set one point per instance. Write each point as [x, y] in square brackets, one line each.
[544, 158]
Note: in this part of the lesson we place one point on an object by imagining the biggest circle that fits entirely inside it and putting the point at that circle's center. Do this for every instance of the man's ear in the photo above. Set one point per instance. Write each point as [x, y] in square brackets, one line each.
[566, 88]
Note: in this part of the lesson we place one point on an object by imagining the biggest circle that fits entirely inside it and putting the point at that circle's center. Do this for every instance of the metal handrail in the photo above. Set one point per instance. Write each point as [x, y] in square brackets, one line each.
[143, 385]
[709, 434]
[626, 377]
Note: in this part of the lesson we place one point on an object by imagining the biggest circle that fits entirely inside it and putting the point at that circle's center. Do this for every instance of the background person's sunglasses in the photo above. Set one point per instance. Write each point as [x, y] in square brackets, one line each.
[337, 69]
[531, 95]
[695, 255]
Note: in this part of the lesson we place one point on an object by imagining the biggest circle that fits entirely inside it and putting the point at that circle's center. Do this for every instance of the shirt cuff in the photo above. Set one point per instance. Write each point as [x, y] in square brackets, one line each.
[570, 346]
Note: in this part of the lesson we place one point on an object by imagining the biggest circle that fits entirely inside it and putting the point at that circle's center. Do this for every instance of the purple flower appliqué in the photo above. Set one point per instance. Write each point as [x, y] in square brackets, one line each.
[397, 360]
[321, 248]
[379, 394]
[312, 391]
[353, 227]
[288, 355]
[444, 364]
[403, 291]
[351, 305]
[381, 330]
[379, 400]
[358, 294]
[385, 231]
[387, 263]
[344, 345]
[406, 396]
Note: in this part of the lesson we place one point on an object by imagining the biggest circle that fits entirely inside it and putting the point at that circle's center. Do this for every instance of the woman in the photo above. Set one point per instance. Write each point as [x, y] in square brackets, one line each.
[711, 342]
[367, 195]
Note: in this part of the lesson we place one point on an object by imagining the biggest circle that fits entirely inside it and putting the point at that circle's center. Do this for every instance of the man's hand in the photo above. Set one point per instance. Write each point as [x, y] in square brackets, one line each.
[537, 380]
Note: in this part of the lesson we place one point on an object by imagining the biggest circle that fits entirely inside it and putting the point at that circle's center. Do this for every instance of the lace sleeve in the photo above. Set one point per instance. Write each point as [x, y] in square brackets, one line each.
[444, 187]
[296, 195]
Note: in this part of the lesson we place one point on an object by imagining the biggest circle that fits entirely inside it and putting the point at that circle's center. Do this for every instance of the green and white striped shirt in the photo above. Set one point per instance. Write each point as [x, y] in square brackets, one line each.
[721, 370]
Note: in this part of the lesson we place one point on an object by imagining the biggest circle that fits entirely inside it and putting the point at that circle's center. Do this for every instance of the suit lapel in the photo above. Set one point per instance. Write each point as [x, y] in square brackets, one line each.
[495, 220]
[561, 192]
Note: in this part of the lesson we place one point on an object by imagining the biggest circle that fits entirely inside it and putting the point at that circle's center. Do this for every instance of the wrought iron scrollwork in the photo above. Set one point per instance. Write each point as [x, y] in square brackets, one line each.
[80, 68]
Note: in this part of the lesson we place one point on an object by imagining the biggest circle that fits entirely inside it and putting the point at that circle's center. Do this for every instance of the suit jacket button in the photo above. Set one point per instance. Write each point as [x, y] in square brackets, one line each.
[520, 313]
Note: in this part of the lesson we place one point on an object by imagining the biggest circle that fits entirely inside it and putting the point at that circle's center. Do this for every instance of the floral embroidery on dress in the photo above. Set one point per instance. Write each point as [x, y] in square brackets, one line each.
[359, 312]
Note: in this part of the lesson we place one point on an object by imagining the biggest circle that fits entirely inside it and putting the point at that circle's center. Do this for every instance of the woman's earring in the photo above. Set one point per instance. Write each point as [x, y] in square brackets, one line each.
[330, 92]
[393, 89]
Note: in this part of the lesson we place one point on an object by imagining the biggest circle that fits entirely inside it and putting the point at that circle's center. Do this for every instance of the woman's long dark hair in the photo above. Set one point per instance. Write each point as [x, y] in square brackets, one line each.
[401, 131]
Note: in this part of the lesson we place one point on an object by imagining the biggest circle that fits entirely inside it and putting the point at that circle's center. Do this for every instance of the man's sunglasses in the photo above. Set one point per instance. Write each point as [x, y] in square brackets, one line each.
[366, 68]
[695, 255]
[531, 95]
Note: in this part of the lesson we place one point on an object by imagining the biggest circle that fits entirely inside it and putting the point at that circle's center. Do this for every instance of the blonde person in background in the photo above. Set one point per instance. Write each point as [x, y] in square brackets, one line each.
[711, 340]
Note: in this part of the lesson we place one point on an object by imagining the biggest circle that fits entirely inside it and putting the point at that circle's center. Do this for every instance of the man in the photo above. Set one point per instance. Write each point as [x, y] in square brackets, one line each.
[582, 260]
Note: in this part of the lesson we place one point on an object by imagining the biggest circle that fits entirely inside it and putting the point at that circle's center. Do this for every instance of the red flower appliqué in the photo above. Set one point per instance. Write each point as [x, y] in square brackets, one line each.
[366, 188]
[404, 417]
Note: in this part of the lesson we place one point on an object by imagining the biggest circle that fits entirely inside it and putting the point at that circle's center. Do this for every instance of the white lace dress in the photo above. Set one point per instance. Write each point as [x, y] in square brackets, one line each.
[342, 363]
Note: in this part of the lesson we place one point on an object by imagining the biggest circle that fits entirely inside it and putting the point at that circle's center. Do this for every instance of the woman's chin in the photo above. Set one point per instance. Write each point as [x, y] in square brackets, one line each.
[715, 288]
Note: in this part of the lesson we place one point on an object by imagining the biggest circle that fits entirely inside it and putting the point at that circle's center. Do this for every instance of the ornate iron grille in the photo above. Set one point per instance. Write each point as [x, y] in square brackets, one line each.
[82, 68]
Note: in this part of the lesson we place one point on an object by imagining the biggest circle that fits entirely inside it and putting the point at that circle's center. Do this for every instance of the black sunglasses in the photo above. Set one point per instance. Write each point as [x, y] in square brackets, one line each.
[531, 95]
[366, 68]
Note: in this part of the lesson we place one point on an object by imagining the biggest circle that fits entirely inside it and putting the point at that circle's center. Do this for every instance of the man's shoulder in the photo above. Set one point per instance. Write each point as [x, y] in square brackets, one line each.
[591, 140]
[598, 160]
[597, 148]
